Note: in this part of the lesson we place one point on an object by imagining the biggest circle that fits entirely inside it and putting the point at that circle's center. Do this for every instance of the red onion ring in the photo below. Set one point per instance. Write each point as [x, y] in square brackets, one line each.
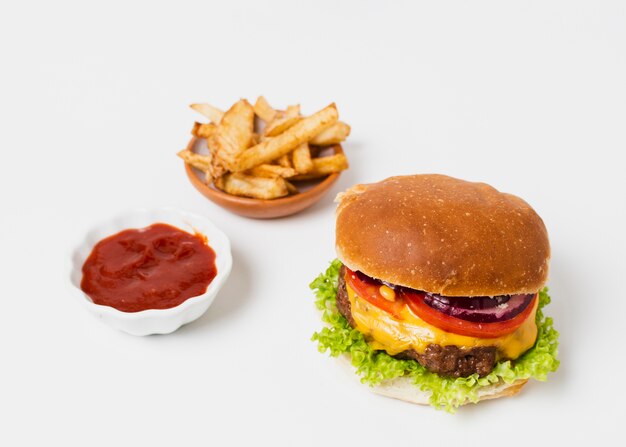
[478, 309]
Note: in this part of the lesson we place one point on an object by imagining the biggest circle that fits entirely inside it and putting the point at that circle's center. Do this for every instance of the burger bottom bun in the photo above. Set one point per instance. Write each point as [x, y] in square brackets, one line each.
[402, 388]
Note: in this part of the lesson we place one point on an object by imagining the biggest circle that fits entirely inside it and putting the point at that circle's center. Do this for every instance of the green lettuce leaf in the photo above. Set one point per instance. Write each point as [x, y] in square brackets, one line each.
[447, 393]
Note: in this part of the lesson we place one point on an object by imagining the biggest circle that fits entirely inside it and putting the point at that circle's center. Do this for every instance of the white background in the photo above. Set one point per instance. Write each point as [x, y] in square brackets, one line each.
[527, 96]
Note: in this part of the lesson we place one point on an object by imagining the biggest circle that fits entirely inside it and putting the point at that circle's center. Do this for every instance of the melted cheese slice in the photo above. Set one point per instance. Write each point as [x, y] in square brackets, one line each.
[385, 332]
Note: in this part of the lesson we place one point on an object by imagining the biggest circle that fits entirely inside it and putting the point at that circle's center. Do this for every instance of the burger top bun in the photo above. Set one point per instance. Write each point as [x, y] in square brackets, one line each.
[443, 235]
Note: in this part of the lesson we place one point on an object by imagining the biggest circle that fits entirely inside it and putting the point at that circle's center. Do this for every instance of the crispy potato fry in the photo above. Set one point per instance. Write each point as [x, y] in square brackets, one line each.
[325, 165]
[301, 158]
[240, 184]
[284, 143]
[201, 130]
[292, 111]
[211, 112]
[202, 162]
[279, 125]
[291, 187]
[218, 182]
[234, 133]
[254, 149]
[266, 170]
[284, 161]
[208, 178]
[263, 110]
[218, 169]
[334, 134]
[276, 121]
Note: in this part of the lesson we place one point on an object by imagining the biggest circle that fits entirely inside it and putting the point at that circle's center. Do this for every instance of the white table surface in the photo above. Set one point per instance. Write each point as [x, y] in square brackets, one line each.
[529, 97]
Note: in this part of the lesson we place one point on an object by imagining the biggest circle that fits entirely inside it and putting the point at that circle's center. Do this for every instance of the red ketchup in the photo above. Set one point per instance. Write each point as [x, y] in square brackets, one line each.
[157, 267]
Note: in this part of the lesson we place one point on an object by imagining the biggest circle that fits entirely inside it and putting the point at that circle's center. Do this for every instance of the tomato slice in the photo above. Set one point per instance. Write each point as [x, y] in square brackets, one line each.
[370, 291]
[415, 302]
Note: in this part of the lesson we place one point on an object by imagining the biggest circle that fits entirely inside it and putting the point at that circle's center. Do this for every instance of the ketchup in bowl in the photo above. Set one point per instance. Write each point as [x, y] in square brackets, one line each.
[156, 267]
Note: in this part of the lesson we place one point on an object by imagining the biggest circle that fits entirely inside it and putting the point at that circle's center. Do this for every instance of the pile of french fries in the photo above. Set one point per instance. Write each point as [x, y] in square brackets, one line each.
[260, 152]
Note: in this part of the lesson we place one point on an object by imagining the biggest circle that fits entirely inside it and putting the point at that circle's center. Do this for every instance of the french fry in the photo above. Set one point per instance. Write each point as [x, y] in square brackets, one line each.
[334, 134]
[263, 110]
[208, 178]
[324, 166]
[284, 161]
[284, 143]
[292, 111]
[211, 112]
[301, 158]
[279, 125]
[291, 187]
[219, 182]
[202, 162]
[234, 133]
[201, 130]
[285, 119]
[218, 168]
[253, 150]
[266, 170]
[240, 184]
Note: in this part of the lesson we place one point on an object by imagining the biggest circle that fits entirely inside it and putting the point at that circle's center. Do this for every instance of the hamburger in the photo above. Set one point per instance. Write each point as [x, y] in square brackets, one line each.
[438, 292]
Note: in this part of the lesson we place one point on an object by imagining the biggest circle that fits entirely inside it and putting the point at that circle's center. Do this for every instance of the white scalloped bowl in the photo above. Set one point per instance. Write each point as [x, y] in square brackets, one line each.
[154, 321]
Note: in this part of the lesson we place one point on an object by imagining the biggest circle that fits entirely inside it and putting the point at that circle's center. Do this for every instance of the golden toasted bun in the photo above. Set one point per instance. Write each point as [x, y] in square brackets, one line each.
[403, 388]
[443, 235]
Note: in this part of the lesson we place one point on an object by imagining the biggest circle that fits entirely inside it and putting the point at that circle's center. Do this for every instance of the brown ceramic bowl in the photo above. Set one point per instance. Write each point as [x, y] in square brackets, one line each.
[310, 193]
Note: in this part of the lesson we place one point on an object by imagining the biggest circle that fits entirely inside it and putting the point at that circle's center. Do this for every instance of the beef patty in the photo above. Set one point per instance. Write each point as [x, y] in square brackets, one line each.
[449, 361]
